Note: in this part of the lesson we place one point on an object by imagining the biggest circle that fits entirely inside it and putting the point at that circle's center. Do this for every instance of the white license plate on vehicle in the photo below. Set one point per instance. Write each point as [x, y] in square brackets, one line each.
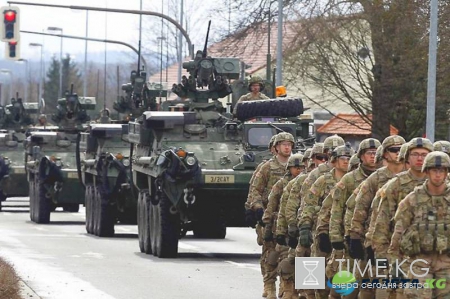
[18, 170]
[219, 179]
[72, 175]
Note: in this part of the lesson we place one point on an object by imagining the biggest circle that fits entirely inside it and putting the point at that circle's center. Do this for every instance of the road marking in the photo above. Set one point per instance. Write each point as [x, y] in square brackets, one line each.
[245, 265]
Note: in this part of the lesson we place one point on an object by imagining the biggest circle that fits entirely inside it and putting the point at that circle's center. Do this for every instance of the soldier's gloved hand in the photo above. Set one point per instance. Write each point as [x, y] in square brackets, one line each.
[250, 218]
[293, 230]
[324, 243]
[259, 214]
[305, 238]
[268, 235]
[347, 240]
[370, 255]
[292, 242]
[281, 240]
[338, 245]
[356, 249]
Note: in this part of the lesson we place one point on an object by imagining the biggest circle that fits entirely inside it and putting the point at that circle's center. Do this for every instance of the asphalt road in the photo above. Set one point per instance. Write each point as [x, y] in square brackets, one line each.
[60, 260]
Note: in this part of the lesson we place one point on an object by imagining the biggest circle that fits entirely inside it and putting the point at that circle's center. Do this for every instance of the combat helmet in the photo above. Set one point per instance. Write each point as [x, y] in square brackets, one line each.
[402, 153]
[272, 140]
[392, 140]
[436, 160]
[331, 142]
[368, 143]
[256, 80]
[307, 153]
[418, 142]
[295, 160]
[353, 163]
[284, 136]
[342, 150]
[379, 154]
[442, 146]
[317, 149]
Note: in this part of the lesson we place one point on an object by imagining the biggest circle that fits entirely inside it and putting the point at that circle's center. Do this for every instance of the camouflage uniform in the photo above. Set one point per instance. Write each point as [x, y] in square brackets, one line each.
[412, 238]
[270, 221]
[251, 96]
[262, 184]
[362, 202]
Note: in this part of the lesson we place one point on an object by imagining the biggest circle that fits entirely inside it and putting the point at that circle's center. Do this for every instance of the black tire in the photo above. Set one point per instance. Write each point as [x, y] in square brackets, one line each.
[95, 209]
[43, 204]
[106, 217]
[166, 229]
[147, 241]
[140, 222]
[71, 207]
[31, 188]
[286, 107]
[88, 208]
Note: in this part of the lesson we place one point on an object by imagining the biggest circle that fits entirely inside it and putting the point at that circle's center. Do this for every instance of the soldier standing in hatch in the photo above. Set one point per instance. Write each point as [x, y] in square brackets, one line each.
[427, 206]
[255, 86]
[294, 166]
[268, 175]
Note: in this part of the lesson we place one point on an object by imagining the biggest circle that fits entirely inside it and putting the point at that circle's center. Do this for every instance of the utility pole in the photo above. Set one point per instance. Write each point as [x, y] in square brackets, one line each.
[180, 43]
[431, 88]
[279, 78]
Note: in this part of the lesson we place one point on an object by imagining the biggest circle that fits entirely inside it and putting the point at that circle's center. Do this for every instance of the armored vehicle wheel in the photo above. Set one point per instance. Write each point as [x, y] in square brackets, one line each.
[140, 222]
[31, 188]
[88, 209]
[94, 214]
[274, 107]
[145, 223]
[71, 207]
[43, 204]
[164, 227]
[105, 215]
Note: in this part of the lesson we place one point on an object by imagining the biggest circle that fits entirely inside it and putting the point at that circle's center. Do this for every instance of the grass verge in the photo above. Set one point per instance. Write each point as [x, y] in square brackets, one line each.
[9, 281]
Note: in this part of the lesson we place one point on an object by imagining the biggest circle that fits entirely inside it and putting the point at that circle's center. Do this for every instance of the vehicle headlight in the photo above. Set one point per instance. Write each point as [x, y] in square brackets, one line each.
[58, 163]
[126, 162]
[191, 161]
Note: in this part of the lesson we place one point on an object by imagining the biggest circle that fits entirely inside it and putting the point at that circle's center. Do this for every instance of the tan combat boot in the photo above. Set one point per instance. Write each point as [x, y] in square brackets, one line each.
[289, 291]
[269, 288]
[281, 289]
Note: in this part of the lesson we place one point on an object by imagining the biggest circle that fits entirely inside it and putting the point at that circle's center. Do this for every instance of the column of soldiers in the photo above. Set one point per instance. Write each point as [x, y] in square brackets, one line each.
[386, 203]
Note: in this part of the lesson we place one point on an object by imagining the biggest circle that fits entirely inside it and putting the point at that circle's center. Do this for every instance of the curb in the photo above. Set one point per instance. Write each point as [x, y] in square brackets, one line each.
[26, 291]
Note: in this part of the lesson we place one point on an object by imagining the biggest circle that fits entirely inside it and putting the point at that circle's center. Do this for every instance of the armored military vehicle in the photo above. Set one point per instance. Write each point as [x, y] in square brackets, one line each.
[105, 172]
[192, 164]
[50, 159]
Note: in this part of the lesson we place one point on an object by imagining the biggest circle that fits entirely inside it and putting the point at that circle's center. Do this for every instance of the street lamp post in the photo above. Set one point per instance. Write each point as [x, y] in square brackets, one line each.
[6, 71]
[40, 72]
[60, 58]
[25, 94]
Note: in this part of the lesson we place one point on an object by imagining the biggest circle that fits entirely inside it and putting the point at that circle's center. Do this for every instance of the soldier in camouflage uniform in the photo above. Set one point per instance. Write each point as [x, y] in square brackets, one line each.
[294, 166]
[353, 163]
[268, 175]
[362, 201]
[344, 189]
[312, 201]
[393, 192]
[442, 146]
[255, 86]
[428, 206]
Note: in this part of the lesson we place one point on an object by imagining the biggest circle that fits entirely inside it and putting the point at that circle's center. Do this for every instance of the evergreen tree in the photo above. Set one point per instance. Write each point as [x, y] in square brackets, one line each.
[51, 86]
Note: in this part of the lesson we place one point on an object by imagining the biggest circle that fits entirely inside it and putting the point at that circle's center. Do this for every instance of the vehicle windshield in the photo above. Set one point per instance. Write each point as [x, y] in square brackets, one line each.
[259, 136]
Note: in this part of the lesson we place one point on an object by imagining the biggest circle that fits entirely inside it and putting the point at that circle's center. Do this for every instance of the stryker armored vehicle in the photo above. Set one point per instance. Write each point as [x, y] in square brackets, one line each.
[105, 172]
[50, 160]
[192, 166]
[17, 115]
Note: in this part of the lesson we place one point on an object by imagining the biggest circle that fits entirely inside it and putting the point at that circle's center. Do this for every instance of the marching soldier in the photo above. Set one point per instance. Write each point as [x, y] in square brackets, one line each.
[420, 231]
[263, 182]
[294, 166]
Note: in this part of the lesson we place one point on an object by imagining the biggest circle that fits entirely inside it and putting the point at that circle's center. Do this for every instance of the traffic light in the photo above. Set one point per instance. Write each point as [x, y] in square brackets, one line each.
[12, 51]
[10, 25]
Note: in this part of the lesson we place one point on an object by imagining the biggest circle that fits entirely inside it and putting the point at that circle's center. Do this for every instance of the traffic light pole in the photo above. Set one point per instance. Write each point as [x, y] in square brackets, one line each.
[136, 12]
[90, 39]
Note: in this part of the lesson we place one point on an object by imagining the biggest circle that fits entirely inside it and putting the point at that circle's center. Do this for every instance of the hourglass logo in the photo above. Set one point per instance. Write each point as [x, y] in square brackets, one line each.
[310, 273]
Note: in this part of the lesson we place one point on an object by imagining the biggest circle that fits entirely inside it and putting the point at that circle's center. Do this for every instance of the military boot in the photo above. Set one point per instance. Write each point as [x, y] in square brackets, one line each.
[270, 290]
[289, 290]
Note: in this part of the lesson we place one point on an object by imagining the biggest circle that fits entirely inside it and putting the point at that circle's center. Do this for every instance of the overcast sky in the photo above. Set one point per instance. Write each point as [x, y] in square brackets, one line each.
[123, 27]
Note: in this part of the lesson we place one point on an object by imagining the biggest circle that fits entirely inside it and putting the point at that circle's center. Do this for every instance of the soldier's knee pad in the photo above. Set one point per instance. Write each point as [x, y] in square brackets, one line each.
[273, 257]
[287, 269]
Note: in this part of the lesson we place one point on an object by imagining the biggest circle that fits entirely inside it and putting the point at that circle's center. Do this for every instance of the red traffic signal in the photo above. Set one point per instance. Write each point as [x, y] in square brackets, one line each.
[10, 25]
[12, 50]
[9, 16]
